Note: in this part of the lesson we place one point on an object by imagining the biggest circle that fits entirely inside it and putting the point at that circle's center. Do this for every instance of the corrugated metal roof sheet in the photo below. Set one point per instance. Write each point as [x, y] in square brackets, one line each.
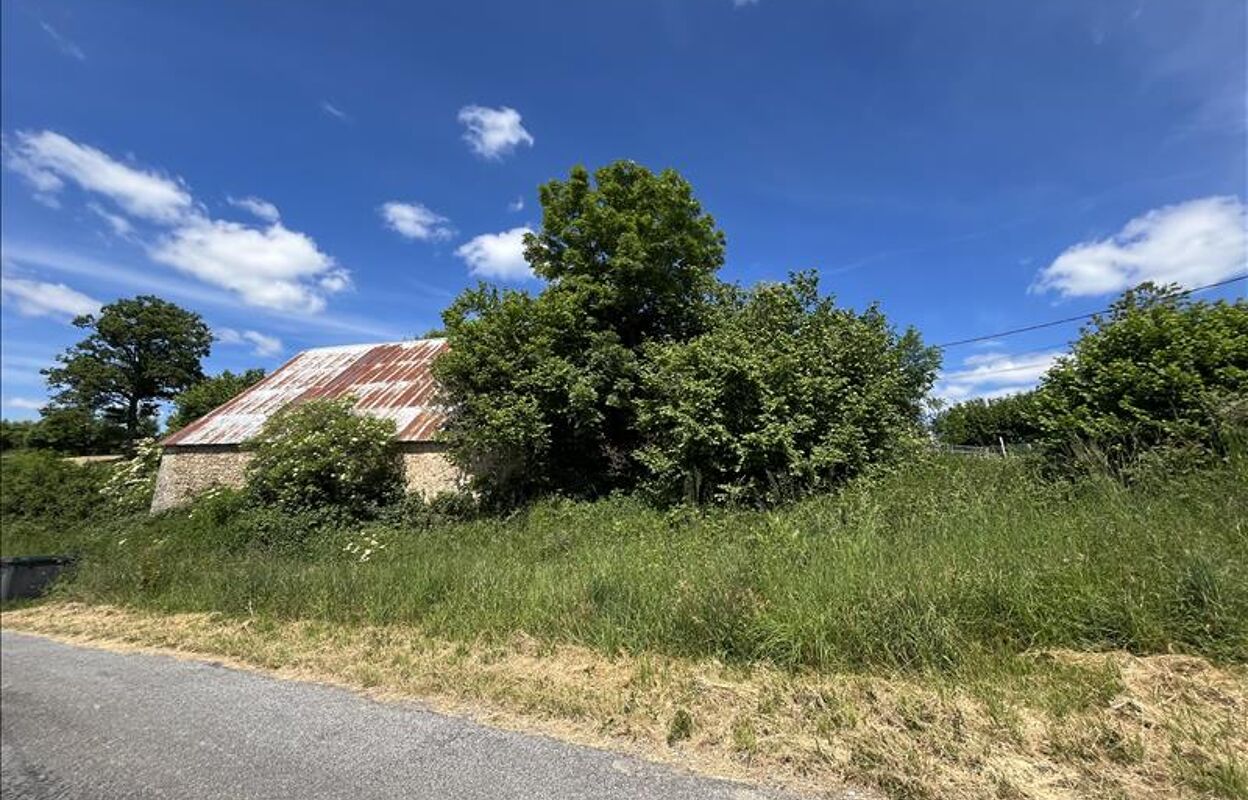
[392, 381]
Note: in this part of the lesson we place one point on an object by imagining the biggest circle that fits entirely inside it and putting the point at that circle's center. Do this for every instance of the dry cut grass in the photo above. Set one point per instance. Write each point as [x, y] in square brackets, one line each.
[1046, 725]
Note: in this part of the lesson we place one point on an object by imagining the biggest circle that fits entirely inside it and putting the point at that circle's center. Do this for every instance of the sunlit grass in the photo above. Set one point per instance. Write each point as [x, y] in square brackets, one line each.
[943, 566]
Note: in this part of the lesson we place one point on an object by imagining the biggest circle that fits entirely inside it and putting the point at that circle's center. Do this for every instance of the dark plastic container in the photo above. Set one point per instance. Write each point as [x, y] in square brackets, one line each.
[23, 577]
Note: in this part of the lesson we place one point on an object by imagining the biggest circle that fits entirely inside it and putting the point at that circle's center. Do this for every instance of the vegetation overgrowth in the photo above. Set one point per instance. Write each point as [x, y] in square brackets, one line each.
[935, 566]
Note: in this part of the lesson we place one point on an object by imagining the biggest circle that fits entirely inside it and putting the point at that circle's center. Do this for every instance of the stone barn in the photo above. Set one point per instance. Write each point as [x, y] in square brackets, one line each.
[390, 380]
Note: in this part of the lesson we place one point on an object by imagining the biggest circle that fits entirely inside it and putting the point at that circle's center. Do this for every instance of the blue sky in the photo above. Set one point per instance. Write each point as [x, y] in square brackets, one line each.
[307, 174]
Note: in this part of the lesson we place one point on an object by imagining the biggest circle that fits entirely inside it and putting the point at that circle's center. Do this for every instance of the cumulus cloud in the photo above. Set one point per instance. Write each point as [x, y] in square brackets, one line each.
[40, 299]
[1192, 244]
[267, 266]
[497, 255]
[47, 159]
[261, 344]
[988, 375]
[416, 221]
[262, 209]
[493, 132]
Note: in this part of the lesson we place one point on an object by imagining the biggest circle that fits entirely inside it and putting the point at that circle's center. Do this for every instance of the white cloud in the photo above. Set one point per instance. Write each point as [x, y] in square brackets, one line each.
[262, 345]
[262, 209]
[46, 159]
[497, 255]
[120, 225]
[334, 111]
[743, 3]
[270, 268]
[26, 403]
[40, 299]
[989, 375]
[416, 221]
[516, 205]
[64, 45]
[493, 132]
[1192, 244]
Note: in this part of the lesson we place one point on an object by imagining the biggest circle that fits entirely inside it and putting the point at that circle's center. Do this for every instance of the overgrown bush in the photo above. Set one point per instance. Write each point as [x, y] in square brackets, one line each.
[320, 454]
[982, 423]
[132, 482]
[788, 393]
[37, 484]
[543, 387]
[1160, 370]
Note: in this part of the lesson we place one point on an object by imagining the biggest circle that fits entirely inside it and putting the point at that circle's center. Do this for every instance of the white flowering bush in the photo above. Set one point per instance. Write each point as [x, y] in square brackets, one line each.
[321, 454]
[132, 482]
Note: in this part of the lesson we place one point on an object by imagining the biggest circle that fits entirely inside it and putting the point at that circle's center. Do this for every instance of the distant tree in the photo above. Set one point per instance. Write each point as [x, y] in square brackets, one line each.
[77, 431]
[1158, 369]
[984, 423]
[14, 433]
[786, 395]
[542, 388]
[139, 351]
[208, 394]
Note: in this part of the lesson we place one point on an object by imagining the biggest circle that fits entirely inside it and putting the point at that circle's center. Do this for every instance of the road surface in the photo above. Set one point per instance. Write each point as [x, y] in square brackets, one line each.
[83, 723]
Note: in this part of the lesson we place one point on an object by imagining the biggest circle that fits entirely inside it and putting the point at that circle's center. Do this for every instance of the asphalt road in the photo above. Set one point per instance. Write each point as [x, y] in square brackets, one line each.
[83, 723]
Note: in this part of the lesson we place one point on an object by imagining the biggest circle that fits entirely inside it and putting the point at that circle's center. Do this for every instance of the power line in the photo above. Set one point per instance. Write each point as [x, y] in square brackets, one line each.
[1075, 318]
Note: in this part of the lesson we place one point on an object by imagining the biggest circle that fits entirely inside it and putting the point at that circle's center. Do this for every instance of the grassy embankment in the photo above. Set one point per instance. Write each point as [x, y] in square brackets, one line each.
[960, 628]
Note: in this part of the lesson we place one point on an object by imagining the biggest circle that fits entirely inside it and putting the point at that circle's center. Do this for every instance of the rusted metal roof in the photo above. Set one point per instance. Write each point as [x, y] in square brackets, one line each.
[392, 381]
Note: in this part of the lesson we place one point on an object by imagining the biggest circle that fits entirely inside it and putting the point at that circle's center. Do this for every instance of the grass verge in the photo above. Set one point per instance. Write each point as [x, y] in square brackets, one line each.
[1054, 724]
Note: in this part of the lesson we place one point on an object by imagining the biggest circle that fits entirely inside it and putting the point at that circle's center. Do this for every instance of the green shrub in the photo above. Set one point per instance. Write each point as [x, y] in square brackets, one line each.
[1159, 371]
[322, 454]
[785, 395]
[40, 485]
[983, 423]
[132, 481]
[543, 387]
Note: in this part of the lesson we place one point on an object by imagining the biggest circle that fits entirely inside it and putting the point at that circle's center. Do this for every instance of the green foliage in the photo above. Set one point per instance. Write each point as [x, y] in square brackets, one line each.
[36, 484]
[1159, 371]
[787, 394]
[139, 351]
[979, 422]
[77, 431]
[543, 387]
[321, 454]
[132, 481]
[15, 433]
[209, 393]
[938, 565]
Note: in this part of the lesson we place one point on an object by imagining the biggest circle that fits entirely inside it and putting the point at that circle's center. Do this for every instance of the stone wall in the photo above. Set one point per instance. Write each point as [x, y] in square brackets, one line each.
[190, 470]
[427, 469]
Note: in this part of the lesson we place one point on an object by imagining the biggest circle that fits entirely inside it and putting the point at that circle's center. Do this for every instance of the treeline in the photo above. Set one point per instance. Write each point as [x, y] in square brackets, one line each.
[106, 390]
[636, 369]
[1160, 371]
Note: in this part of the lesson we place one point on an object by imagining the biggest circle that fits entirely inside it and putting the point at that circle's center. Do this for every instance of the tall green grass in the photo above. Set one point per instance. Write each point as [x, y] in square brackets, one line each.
[942, 563]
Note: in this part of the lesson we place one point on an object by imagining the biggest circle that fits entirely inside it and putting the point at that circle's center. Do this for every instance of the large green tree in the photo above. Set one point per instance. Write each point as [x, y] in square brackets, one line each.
[208, 394]
[1158, 369]
[139, 351]
[543, 387]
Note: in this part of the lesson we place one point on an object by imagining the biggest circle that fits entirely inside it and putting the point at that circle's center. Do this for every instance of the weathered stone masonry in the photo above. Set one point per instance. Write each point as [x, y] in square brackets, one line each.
[190, 470]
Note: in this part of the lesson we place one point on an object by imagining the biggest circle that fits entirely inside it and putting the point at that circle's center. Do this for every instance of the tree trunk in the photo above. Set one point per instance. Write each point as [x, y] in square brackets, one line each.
[132, 418]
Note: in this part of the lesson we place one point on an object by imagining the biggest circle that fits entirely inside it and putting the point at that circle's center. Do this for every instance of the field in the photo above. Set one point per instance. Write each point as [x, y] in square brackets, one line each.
[955, 628]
